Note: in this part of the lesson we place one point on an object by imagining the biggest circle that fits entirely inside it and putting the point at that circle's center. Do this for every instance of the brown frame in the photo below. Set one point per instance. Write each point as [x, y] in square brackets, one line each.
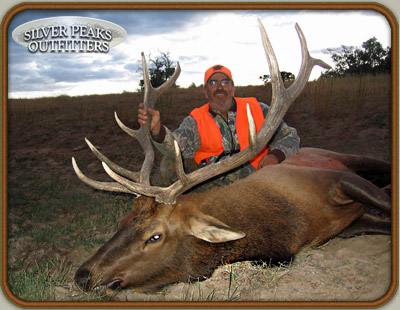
[199, 6]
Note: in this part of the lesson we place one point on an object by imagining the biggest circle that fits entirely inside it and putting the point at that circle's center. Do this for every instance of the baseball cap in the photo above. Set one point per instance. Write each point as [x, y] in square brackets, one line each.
[216, 69]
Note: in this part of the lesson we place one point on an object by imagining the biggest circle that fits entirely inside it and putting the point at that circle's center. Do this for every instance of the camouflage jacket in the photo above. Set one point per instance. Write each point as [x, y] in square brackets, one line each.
[284, 143]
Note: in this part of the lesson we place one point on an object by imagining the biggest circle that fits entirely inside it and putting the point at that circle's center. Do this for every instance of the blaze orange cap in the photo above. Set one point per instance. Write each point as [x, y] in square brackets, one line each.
[216, 69]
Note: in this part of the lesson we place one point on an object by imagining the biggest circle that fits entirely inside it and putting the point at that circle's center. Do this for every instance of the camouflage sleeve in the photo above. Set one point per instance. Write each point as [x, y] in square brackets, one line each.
[187, 136]
[285, 138]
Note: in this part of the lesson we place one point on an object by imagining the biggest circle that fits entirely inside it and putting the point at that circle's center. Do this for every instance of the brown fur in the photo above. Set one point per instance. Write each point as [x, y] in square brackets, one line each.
[267, 216]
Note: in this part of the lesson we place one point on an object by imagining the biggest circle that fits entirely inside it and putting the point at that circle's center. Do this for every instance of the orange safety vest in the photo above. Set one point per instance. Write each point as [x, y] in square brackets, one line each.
[211, 143]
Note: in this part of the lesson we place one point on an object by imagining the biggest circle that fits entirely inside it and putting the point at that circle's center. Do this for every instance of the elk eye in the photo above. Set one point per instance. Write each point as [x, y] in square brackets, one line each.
[154, 238]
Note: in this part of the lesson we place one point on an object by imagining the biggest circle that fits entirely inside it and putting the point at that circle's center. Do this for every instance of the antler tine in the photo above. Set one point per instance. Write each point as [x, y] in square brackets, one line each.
[151, 94]
[104, 186]
[143, 133]
[135, 187]
[179, 165]
[282, 98]
[127, 173]
[307, 65]
[276, 79]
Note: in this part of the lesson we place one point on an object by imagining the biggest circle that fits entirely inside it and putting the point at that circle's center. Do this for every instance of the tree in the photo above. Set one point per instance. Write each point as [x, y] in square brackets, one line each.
[161, 68]
[286, 76]
[375, 56]
[371, 58]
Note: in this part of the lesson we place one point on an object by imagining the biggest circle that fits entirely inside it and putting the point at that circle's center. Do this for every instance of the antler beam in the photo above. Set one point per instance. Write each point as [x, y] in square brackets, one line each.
[282, 98]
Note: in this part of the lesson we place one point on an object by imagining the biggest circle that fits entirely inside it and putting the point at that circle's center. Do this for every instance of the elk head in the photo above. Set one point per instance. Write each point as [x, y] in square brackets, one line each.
[156, 245]
[165, 240]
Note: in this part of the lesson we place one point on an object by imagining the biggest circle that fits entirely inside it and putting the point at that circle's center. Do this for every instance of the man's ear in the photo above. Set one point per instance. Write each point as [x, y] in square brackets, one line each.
[212, 230]
[205, 91]
[233, 90]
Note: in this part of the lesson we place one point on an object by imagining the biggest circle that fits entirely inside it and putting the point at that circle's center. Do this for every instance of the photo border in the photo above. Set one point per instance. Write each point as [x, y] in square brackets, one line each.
[201, 6]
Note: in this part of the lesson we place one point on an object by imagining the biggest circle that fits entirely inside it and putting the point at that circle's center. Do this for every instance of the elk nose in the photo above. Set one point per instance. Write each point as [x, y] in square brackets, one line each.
[82, 278]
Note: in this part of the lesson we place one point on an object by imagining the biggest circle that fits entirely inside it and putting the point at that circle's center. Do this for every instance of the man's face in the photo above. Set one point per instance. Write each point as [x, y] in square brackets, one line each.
[219, 91]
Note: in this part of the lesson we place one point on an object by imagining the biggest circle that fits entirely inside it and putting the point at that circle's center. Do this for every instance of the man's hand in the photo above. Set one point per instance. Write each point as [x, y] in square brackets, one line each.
[267, 160]
[143, 116]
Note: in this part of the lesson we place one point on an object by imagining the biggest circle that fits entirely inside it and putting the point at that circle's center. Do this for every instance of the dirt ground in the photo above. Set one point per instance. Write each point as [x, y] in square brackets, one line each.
[341, 270]
[353, 270]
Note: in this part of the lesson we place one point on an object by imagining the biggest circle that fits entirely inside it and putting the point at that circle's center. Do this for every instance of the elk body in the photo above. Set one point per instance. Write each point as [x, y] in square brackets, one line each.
[304, 201]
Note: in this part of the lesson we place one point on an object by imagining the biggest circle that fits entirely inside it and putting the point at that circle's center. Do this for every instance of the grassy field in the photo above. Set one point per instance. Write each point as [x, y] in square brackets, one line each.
[55, 222]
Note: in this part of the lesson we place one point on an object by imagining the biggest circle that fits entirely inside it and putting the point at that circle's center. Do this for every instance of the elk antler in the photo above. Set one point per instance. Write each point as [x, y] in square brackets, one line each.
[282, 98]
[142, 135]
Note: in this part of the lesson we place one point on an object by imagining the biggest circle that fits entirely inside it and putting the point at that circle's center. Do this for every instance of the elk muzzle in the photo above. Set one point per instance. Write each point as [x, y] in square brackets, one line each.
[82, 278]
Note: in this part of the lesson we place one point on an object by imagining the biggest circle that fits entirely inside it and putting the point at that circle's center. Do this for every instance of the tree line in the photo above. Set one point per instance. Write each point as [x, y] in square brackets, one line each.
[370, 58]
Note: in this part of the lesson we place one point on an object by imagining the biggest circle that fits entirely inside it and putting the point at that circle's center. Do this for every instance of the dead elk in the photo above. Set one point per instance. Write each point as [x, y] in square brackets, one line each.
[269, 216]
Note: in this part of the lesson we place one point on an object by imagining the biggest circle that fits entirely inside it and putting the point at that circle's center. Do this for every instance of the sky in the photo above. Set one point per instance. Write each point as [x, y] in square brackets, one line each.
[196, 39]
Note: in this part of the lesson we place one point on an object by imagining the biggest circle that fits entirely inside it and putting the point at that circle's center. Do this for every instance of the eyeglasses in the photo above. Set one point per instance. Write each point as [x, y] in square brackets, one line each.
[214, 83]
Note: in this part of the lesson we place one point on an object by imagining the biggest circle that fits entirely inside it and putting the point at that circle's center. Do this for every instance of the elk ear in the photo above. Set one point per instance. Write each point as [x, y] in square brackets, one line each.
[210, 229]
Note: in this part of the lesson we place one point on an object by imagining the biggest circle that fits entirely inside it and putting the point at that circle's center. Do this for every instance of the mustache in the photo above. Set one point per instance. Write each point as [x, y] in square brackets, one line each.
[220, 91]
